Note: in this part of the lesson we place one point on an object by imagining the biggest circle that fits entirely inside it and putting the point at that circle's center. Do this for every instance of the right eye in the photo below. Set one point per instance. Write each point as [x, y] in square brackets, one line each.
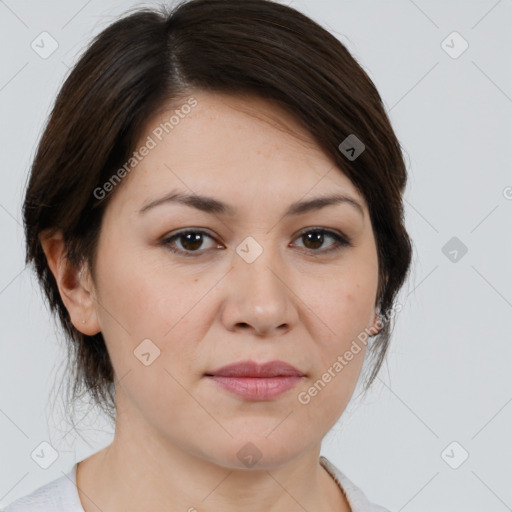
[190, 240]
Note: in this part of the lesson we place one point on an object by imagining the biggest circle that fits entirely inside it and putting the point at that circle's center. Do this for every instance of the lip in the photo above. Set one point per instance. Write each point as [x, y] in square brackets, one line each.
[254, 381]
[257, 370]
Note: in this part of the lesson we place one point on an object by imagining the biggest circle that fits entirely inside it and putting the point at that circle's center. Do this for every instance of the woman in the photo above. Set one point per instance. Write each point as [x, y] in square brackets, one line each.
[215, 214]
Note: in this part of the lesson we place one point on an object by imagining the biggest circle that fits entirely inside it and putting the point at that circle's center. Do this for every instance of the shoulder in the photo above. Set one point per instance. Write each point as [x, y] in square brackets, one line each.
[355, 496]
[59, 495]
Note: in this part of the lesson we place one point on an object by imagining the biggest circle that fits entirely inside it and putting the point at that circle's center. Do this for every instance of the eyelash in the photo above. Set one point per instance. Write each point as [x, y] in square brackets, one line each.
[340, 241]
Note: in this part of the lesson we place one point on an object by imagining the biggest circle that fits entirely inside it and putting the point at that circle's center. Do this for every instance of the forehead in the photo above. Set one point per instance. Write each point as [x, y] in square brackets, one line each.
[235, 147]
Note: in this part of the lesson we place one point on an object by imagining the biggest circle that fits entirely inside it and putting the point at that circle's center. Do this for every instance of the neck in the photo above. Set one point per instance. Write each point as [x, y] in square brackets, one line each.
[145, 469]
[152, 478]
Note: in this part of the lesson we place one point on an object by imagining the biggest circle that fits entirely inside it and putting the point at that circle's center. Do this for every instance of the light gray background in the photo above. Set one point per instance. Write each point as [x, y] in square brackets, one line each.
[448, 374]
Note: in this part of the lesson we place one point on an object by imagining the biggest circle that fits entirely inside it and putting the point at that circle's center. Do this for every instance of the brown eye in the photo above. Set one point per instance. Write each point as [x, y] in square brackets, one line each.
[190, 241]
[314, 239]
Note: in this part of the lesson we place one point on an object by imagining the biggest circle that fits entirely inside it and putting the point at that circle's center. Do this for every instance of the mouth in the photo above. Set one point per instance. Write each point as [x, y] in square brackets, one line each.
[254, 370]
[254, 381]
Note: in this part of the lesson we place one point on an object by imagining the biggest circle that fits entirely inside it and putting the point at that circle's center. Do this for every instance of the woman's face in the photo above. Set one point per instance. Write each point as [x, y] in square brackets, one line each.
[249, 282]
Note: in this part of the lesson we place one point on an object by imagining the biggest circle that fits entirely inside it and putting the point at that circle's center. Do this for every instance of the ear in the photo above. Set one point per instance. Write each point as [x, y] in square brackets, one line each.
[75, 285]
[376, 324]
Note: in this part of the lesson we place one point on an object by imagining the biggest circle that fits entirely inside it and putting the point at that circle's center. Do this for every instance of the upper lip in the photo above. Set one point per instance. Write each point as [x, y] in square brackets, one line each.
[253, 369]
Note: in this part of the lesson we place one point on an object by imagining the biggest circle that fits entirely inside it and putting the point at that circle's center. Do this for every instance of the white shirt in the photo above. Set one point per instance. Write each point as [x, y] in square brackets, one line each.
[61, 495]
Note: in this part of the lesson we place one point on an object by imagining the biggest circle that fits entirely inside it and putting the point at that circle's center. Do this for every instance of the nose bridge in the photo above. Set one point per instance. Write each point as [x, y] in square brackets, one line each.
[257, 296]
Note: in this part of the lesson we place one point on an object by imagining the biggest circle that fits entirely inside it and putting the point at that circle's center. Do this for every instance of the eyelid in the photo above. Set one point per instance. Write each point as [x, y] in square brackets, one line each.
[341, 240]
[173, 235]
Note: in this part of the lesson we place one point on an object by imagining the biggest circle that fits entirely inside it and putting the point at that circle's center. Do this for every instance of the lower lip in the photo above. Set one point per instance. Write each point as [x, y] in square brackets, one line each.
[257, 388]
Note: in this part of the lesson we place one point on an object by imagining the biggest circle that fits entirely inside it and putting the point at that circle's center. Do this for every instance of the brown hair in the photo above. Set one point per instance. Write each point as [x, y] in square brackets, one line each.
[153, 56]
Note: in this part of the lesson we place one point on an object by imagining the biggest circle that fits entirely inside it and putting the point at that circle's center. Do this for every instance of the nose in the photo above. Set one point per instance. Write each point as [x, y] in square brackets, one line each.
[259, 297]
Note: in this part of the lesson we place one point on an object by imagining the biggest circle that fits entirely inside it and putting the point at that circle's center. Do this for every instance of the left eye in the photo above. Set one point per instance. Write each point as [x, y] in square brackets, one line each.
[316, 237]
[191, 240]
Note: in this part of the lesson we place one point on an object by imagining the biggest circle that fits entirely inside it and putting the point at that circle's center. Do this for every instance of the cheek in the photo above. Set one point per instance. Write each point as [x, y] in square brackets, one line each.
[344, 307]
[340, 358]
[137, 293]
[341, 311]
[149, 325]
[138, 301]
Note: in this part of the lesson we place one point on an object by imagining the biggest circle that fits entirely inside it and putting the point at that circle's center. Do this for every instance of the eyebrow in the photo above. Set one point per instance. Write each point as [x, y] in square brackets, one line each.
[214, 206]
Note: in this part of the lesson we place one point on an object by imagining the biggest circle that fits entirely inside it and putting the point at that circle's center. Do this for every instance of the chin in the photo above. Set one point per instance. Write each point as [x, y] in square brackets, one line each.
[248, 451]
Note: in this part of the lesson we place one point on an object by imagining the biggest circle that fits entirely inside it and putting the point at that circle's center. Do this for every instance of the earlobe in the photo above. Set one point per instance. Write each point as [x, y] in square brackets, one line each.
[75, 290]
[376, 325]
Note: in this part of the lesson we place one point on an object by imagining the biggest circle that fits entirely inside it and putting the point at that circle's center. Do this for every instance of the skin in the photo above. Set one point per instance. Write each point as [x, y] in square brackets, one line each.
[177, 433]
